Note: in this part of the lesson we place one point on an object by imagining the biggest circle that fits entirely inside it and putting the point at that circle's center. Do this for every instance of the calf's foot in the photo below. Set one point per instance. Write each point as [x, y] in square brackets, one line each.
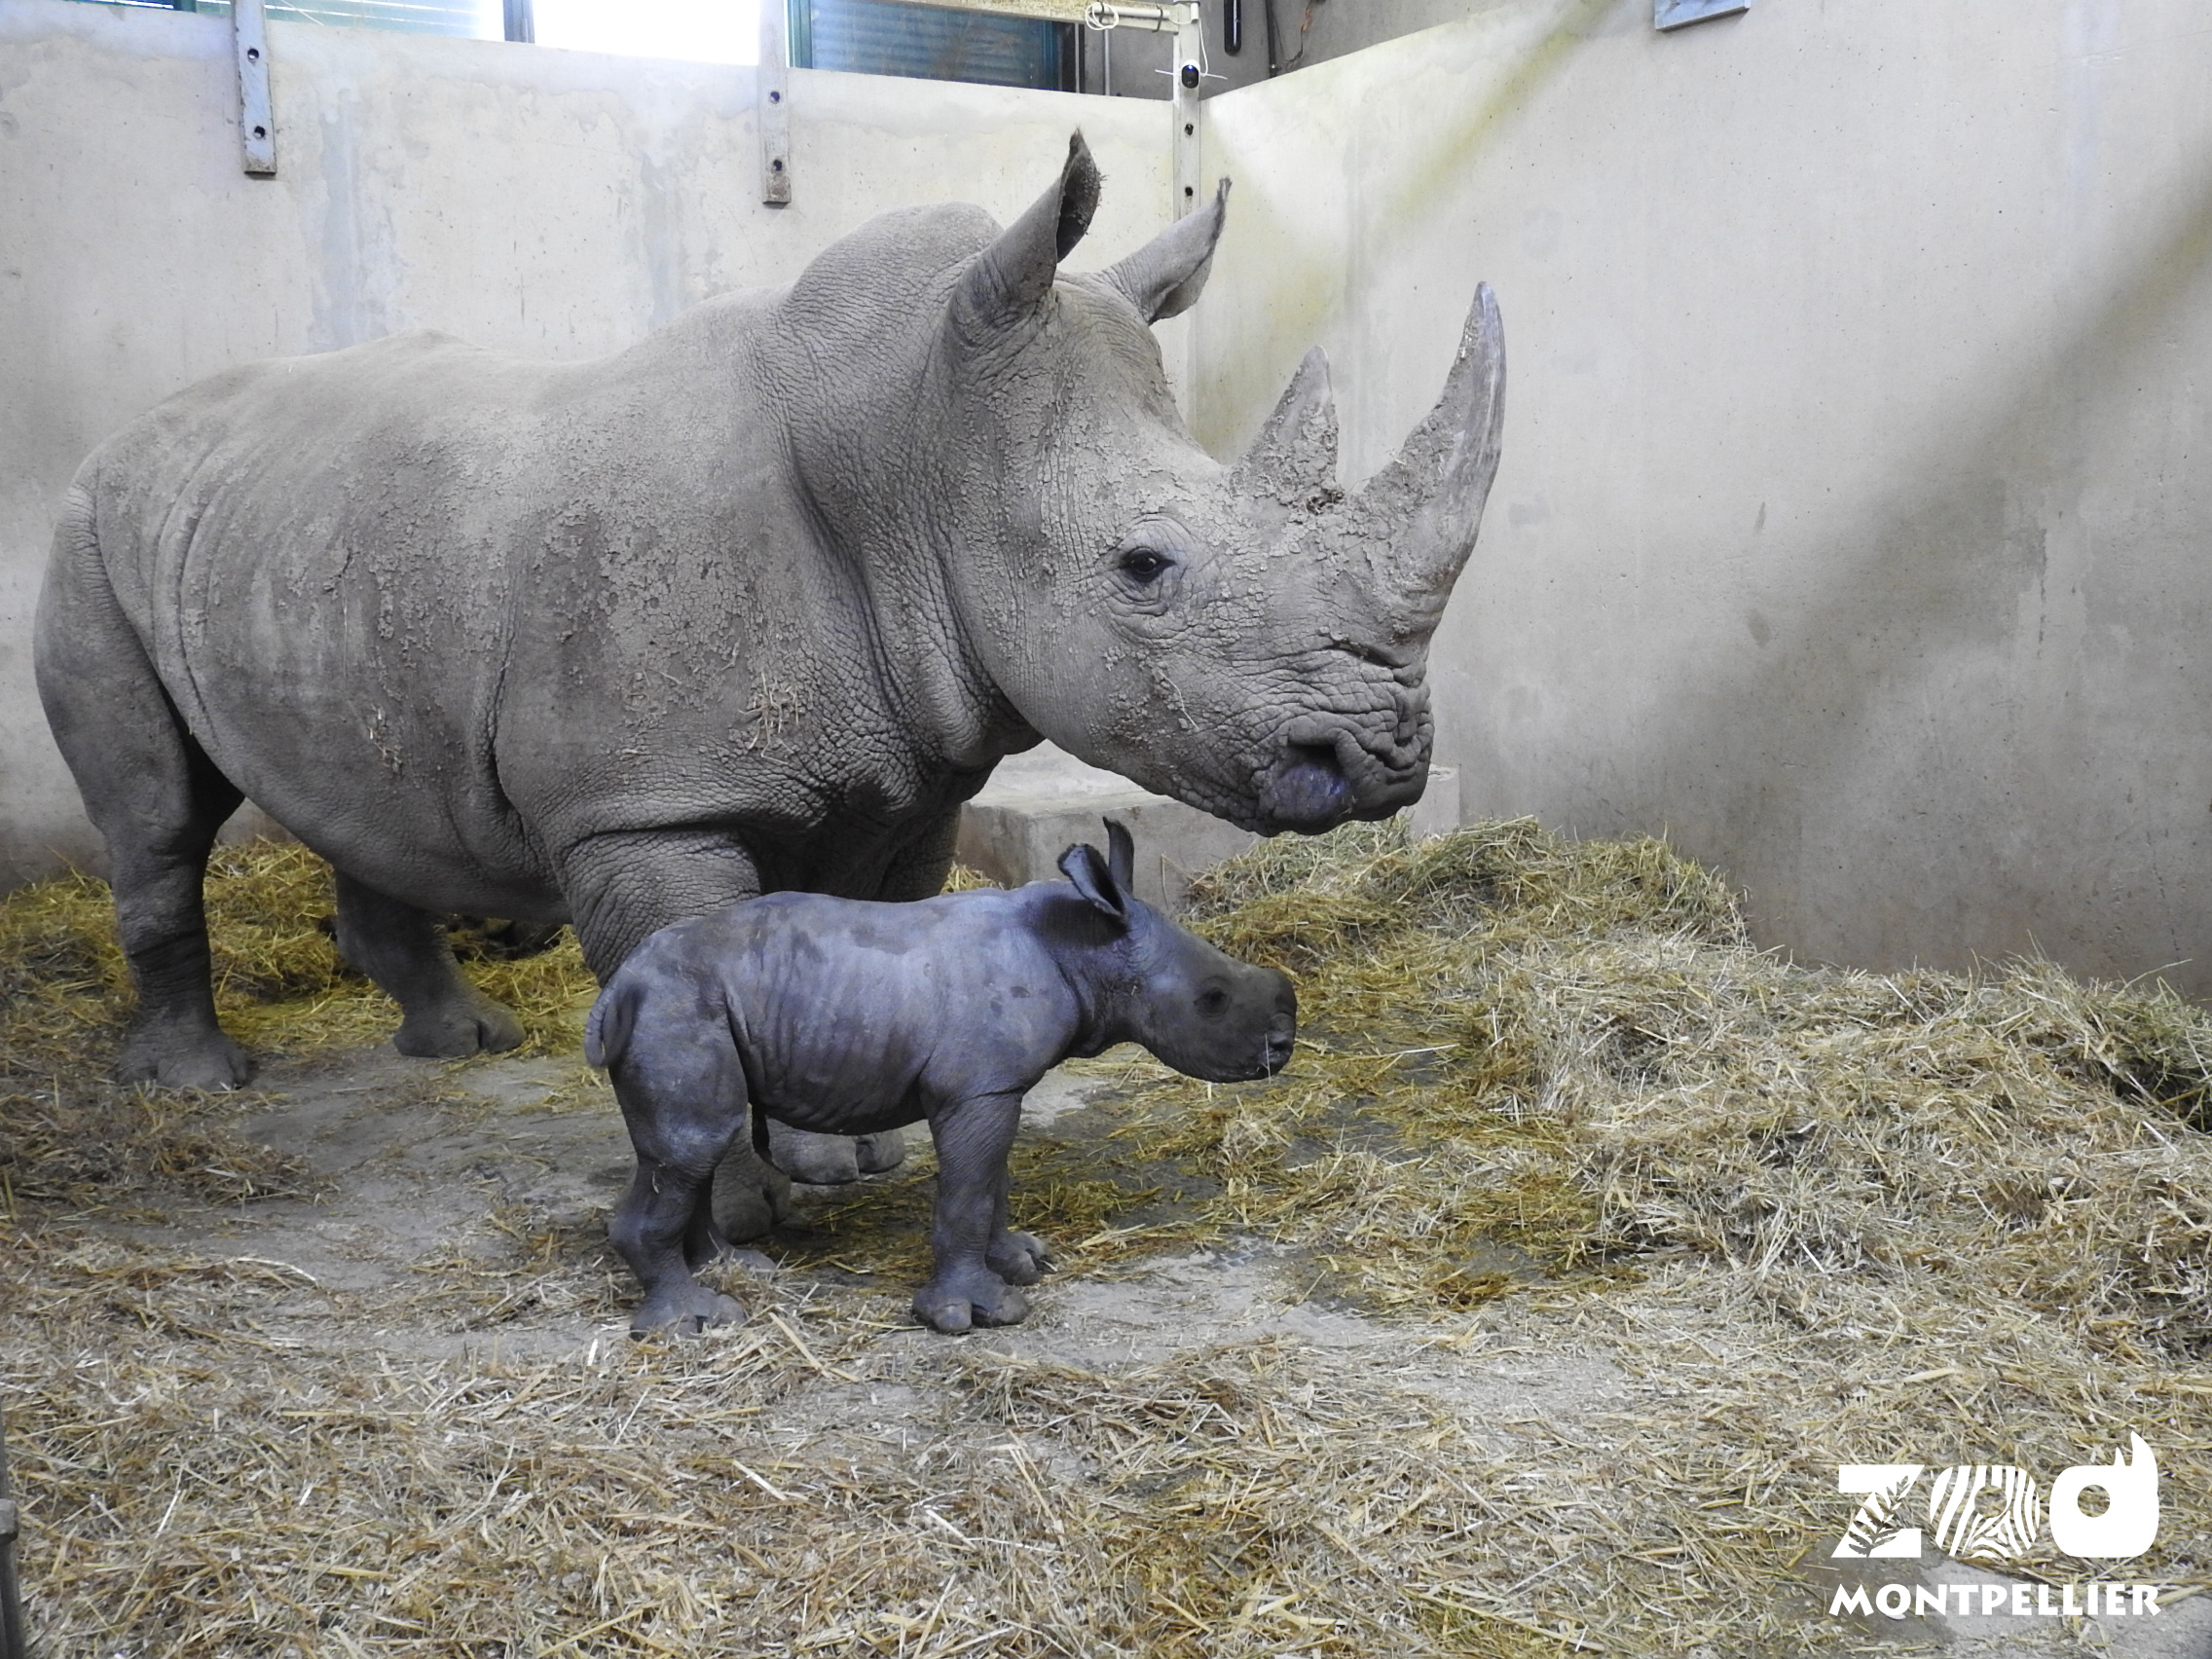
[955, 1302]
[1019, 1258]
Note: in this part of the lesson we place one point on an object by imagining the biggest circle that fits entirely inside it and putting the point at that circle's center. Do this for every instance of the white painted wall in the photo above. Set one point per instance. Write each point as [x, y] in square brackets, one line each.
[1855, 525]
[538, 200]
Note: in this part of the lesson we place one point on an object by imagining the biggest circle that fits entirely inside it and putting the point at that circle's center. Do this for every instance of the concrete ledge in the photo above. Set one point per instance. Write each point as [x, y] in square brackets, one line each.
[1038, 804]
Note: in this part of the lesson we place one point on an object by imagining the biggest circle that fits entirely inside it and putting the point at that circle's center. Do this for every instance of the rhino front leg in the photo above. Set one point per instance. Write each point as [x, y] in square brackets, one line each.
[404, 950]
[968, 1234]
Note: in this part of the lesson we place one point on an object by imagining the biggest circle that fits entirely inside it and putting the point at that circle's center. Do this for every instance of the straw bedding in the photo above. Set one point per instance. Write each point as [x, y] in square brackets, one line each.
[1629, 1235]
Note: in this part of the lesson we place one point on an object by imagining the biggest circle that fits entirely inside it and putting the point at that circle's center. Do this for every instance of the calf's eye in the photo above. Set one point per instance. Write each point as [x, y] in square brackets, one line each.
[1212, 1003]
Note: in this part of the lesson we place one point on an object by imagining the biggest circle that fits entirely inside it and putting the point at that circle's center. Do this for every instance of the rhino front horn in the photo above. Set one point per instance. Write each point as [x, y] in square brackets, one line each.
[1430, 499]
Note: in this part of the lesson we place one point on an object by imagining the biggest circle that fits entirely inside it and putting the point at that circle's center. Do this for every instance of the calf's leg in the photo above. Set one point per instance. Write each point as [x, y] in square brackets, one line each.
[968, 1234]
[832, 1160]
[683, 1094]
[626, 886]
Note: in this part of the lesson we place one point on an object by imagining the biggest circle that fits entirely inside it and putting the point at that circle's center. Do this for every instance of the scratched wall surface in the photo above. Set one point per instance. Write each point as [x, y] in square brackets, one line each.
[1855, 525]
[553, 202]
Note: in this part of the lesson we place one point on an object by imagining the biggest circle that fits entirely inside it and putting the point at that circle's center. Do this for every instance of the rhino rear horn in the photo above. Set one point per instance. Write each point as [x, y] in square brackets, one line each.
[1294, 458]
[1011, 277]
[1166, 277]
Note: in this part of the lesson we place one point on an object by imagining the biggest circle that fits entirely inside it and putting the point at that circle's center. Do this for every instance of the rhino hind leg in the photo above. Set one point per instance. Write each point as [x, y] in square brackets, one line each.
[173, 1040]
[158, 801]
[404, 950]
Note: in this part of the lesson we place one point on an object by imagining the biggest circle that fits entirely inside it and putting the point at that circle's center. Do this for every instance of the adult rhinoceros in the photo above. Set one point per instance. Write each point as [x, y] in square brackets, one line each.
[754, 605]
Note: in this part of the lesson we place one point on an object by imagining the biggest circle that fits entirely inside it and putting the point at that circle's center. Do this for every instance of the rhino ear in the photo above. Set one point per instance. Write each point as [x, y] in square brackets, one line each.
[1093, 878]
[1011, 279]
[1166, 277]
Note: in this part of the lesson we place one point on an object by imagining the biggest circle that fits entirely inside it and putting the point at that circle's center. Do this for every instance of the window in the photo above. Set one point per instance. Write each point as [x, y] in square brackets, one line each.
[878, 37]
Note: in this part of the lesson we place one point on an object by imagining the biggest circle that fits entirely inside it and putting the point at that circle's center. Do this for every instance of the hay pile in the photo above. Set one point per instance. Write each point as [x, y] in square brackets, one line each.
[68, 1136]
[1572, 1048]
[1551, 1117]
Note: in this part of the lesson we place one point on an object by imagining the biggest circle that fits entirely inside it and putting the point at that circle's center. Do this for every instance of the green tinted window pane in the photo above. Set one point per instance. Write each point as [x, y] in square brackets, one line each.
[876, 37]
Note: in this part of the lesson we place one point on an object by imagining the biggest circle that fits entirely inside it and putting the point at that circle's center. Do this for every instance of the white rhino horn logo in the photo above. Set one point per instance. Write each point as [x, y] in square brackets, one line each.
[2129, 1525]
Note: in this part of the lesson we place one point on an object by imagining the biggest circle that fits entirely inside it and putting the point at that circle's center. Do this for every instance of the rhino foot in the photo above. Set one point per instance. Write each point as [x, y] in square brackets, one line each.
[1019, 1258]
[880, 1152]
[956, 1302]
[750, 1197]
[685, 1310]
[451, 1031]
[822, 1161]
[169, 1058]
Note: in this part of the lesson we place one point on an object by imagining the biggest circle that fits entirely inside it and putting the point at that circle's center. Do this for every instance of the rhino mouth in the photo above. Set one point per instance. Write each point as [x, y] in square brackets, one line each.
[1309, 788]
[1306, 791]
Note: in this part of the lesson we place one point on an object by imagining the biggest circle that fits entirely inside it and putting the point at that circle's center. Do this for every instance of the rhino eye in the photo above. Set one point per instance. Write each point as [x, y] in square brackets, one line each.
[1145, 564]
[1212, 1001]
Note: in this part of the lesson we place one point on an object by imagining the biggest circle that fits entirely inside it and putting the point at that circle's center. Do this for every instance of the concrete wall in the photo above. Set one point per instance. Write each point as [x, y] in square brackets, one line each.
[1854, 520]
[547, 202]
[1855, 527]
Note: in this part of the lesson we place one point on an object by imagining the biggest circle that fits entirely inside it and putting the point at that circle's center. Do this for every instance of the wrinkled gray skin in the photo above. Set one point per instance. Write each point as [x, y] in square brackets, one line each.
[853, 1017]
[751, 606]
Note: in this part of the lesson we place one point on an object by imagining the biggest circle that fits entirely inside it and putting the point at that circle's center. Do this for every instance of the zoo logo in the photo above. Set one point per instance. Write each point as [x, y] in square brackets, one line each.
[1968, 1529]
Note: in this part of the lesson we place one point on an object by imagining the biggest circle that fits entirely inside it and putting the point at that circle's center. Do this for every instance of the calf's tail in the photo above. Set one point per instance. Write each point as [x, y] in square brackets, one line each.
[607, 1027]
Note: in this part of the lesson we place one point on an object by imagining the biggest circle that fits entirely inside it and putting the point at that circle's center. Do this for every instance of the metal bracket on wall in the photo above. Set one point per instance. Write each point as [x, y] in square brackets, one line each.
[774, 104]
[1189, 69]
[1678, 14]
[257, 123]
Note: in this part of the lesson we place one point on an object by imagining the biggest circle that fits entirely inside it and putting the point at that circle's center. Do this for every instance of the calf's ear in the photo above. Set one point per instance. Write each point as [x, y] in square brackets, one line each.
[1093, 878]
[1121, 858]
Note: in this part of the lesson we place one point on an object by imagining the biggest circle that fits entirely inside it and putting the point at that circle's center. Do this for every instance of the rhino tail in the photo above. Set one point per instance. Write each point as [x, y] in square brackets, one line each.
[607, 1027]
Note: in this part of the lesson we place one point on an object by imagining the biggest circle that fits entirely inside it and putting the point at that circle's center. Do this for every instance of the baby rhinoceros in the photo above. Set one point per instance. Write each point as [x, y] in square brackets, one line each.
[852, 1017]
